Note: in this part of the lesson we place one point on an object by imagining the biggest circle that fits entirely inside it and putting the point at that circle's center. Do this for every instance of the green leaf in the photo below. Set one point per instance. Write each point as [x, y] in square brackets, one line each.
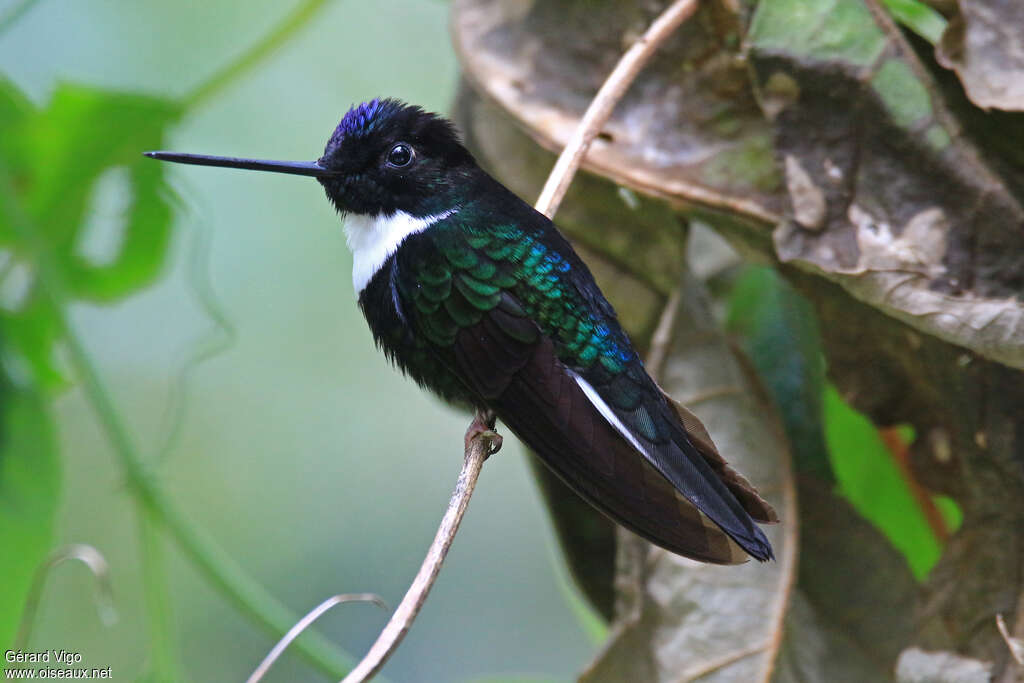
[831, 441]
[29, 488]
[833, 30]
[56, 158]
[64, 149]
[779, 332]
[871, 481]
[918, 17]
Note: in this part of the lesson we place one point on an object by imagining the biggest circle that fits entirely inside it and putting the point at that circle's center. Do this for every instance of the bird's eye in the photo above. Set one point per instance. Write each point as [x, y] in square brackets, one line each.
[400, 155]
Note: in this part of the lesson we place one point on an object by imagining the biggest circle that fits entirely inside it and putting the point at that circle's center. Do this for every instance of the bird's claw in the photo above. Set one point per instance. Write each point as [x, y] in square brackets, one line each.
[483, 426]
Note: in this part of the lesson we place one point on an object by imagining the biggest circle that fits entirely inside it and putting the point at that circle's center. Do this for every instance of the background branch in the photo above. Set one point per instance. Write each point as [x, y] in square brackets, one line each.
[600, 109]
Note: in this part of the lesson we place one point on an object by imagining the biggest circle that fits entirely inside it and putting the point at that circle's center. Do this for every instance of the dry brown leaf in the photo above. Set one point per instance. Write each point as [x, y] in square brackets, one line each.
[984, 44]
[682, 620]
[918, 666]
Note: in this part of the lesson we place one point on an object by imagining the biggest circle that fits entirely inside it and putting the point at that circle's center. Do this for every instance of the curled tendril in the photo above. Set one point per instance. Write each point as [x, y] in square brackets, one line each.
[305, 622]
[97, 564]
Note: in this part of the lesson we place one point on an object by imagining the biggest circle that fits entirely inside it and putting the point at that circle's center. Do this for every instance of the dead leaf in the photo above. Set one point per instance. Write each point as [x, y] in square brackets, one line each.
[918, 223]
[918, 666]
[680, 620]
[984, 44]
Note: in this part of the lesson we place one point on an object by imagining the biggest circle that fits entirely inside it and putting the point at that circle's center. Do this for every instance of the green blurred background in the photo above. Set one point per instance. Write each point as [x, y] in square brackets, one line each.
[312, 462]
[217, 310]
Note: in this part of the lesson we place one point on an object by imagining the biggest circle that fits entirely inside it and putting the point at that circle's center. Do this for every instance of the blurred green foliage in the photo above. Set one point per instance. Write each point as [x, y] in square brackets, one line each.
[780, 335]
[869, 478]
[831, 441]
[29, 491]
[51, 161]
[53, 164]
[919, 17]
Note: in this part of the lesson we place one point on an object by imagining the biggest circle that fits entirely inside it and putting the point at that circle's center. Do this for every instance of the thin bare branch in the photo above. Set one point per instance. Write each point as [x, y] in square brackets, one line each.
[478, 448]
[304, 623]
[711, 393]
[1014, 641]
[601, 107]
[1016, 645]
[662, 337]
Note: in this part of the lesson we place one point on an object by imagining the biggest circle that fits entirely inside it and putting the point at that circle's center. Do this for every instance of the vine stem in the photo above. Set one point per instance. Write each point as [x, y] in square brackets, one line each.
[16, 12]
[295, 21]
[220, 569]
[164, 664]
[477, 449]
[603, 104]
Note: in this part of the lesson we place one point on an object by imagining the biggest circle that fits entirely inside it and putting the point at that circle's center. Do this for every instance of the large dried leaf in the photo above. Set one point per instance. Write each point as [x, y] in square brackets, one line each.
[891, 200]
[682, 620]
[919, 666]
[644, 246]
[852, 581]
[688, 130]
[984, 44]
[888, 198]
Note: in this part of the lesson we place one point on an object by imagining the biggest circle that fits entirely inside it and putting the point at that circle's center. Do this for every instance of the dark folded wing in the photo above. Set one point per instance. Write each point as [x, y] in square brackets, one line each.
[508, 361]
[676, 444]
[517, 317]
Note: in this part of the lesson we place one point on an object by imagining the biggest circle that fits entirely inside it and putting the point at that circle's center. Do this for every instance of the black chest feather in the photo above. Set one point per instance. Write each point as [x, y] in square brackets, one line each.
[393, 326]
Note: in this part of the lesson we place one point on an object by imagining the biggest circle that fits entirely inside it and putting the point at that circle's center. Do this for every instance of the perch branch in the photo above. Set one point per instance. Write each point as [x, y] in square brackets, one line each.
[601, 107]
[477, 450]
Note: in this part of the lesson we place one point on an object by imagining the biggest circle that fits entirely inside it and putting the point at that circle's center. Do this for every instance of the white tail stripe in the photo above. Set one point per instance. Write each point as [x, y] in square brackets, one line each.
[606, 411]
[373, 239]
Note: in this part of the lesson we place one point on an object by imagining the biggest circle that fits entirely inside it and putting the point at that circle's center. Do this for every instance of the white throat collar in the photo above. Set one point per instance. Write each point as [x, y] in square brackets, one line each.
[373, 239]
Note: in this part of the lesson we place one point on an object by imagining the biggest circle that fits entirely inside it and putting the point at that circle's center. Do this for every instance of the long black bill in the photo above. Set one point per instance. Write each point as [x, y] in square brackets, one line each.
[310, 168]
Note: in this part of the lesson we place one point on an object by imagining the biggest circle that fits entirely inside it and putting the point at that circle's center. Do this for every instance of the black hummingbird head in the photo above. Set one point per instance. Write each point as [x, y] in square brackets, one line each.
[385, 156]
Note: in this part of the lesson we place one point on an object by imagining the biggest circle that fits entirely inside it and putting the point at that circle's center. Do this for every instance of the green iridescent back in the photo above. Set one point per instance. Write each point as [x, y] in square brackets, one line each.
[473, 263]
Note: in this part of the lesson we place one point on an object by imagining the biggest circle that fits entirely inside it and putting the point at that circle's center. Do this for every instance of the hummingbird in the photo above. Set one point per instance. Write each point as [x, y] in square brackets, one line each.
[480, 299]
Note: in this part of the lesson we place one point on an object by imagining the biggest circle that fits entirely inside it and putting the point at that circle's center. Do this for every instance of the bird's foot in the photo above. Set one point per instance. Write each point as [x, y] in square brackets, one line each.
[483, 425]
